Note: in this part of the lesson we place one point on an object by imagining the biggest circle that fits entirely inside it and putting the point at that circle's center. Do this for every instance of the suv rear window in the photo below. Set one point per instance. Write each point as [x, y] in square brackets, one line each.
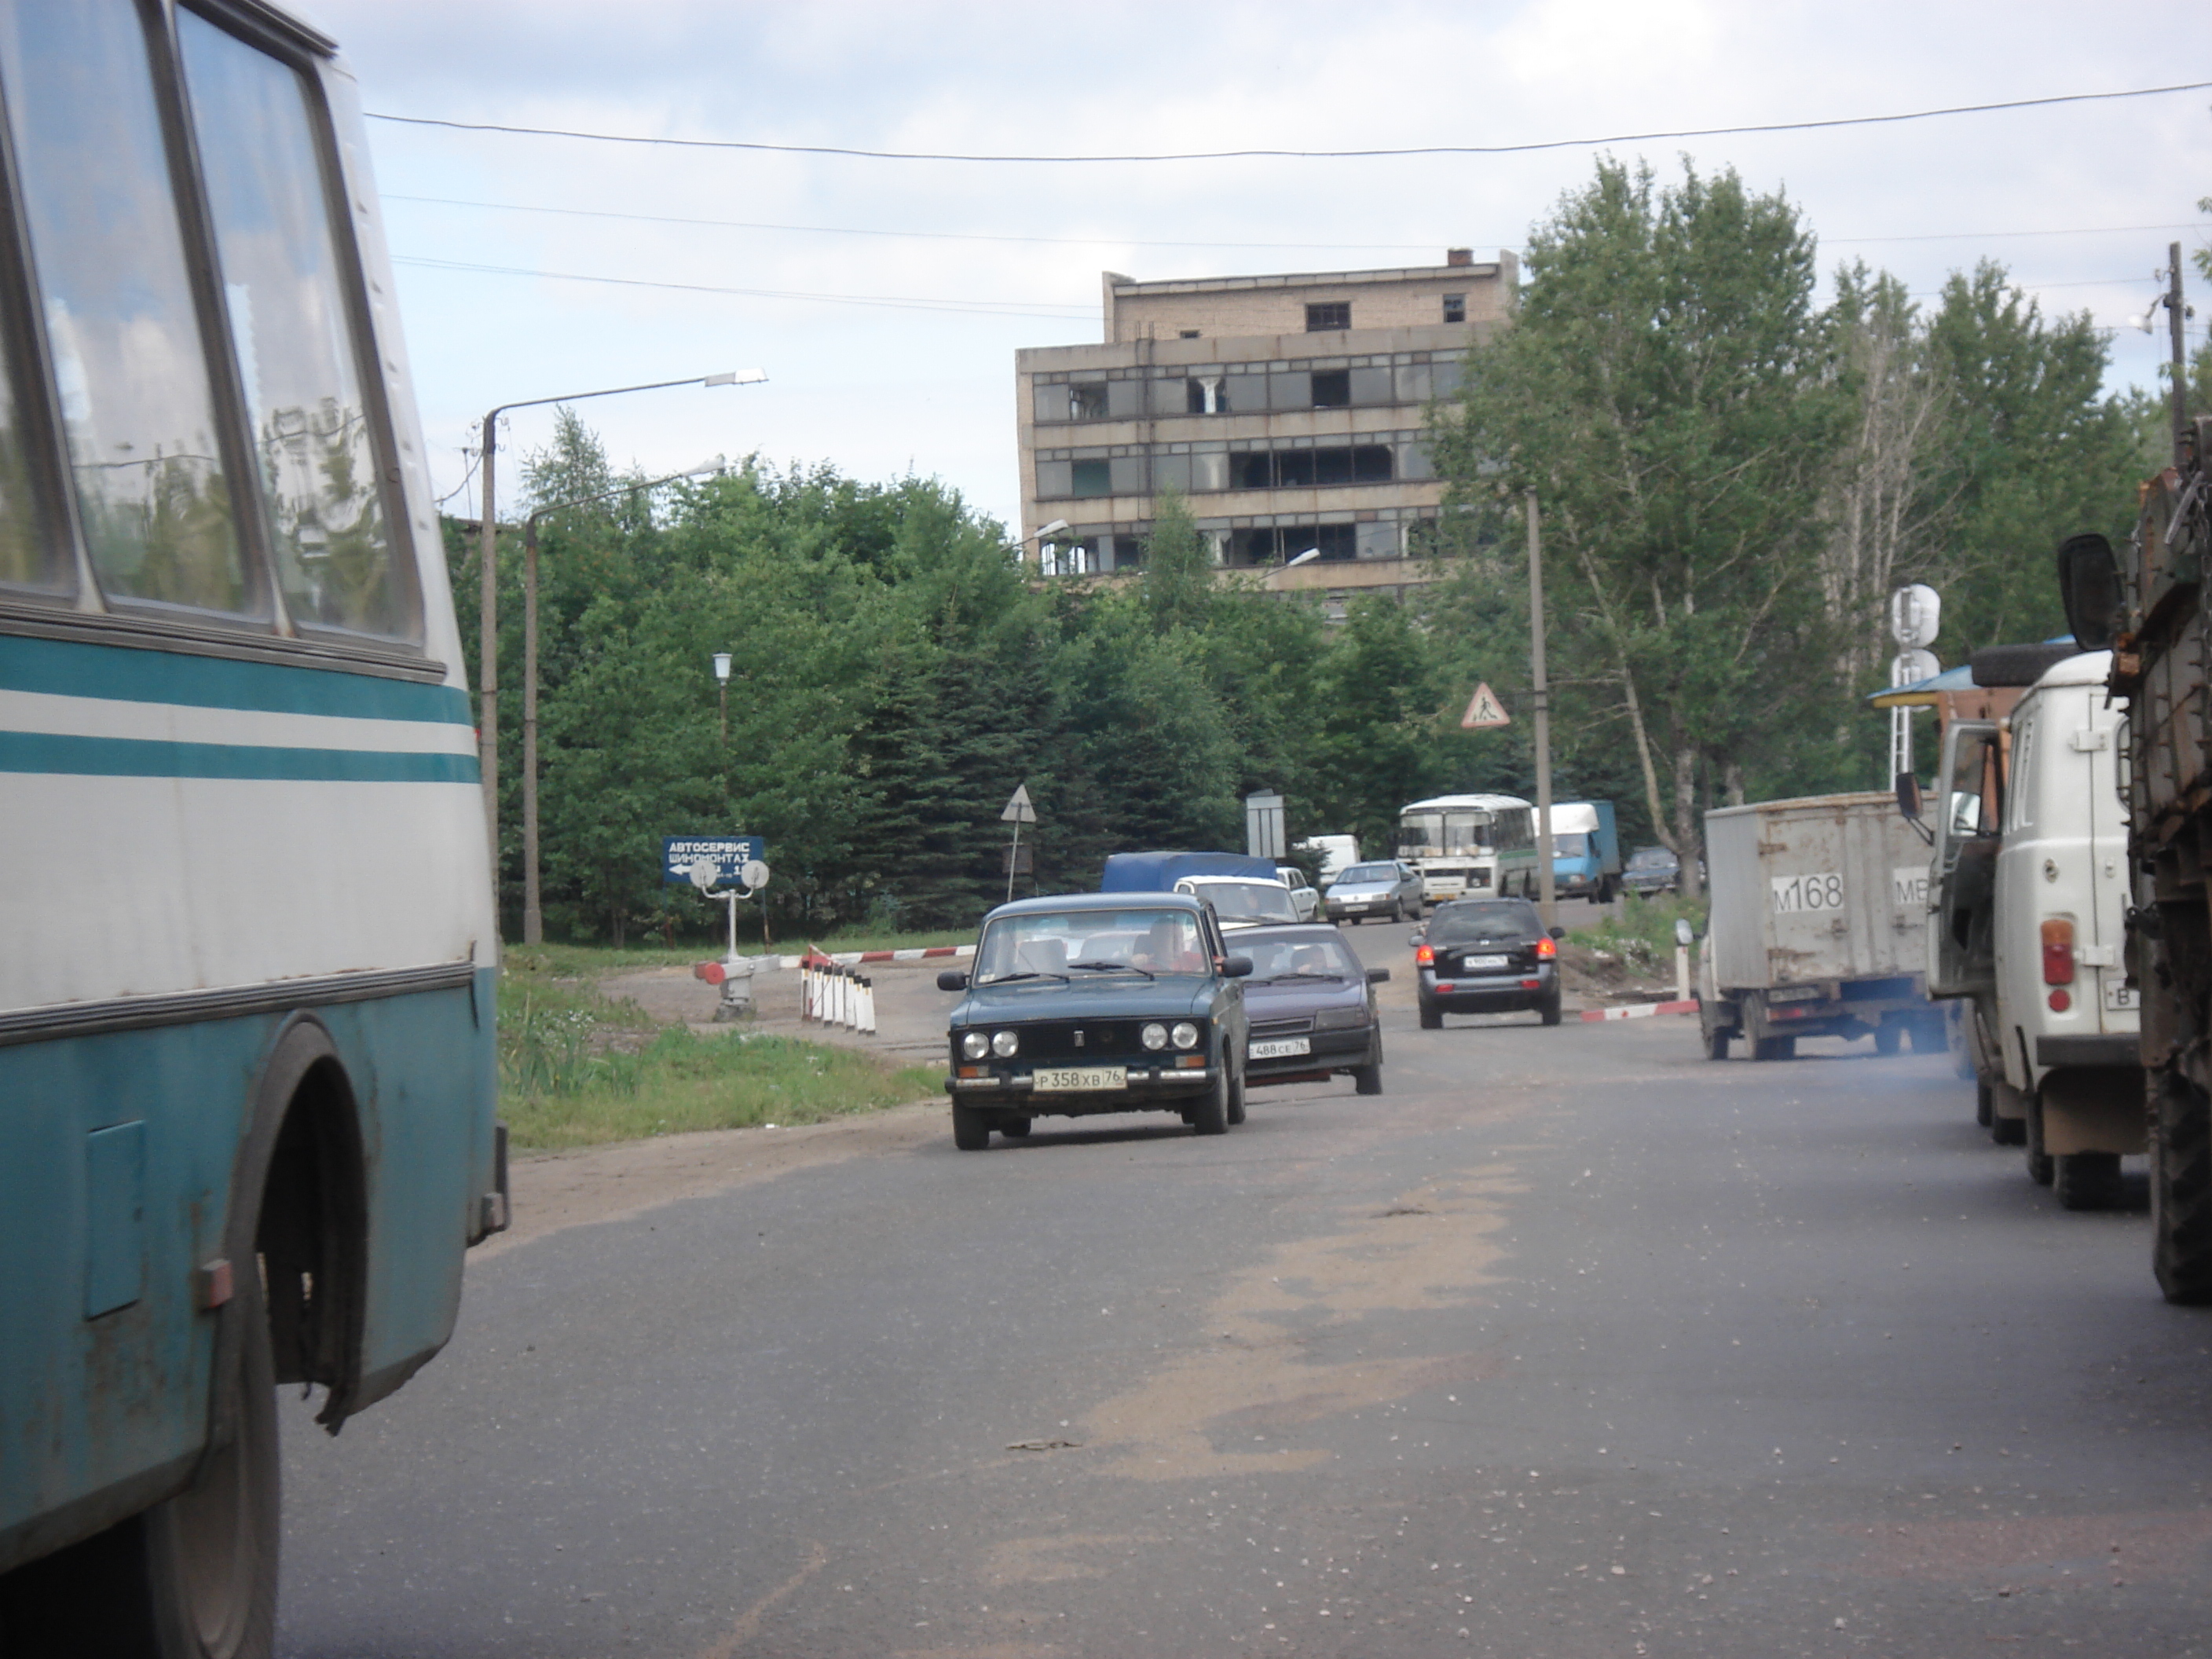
[1472, 919]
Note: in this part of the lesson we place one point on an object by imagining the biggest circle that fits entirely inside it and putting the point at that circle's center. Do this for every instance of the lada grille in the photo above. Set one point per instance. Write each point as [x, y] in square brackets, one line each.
[1263, 1029]
[1115, 1039]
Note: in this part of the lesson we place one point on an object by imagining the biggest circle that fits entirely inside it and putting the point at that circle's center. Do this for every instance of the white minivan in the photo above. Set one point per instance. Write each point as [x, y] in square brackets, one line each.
[2029, 904]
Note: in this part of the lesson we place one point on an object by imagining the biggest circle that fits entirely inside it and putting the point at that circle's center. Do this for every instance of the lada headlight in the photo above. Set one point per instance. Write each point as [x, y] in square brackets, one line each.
[1003, 1044]
[1185, 1035]
[974, 1045]
[1335, 1019]
[1155, 1035]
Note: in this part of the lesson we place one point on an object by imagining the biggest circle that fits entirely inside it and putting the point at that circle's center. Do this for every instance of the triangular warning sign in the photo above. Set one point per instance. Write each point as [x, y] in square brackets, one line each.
[1019, 810]
[1484, 711]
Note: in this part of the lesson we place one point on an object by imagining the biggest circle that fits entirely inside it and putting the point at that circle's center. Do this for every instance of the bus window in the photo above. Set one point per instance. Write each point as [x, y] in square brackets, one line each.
[314, 451]
[114, 289]
[31, 555]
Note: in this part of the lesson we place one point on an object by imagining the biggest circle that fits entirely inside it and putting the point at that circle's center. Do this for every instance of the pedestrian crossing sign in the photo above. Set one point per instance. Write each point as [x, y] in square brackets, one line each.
[1484, 711]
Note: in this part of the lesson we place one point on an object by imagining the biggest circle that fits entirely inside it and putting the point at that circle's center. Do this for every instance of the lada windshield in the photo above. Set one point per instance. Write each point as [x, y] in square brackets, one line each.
[1485, 919]
[1074, 944]
[1276, 959]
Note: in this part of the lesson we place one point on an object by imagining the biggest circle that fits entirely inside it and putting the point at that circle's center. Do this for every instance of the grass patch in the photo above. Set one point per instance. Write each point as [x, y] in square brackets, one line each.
[1641, 934]
[578, 1070]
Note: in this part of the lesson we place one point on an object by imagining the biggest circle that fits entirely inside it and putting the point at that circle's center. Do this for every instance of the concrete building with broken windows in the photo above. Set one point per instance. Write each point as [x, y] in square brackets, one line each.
[1287, 410]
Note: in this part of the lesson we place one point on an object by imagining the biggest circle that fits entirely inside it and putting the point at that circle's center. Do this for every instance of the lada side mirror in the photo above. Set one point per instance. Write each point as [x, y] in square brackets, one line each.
[1235, 967]
[1378, 976]
[952, 979]
[1908, 796]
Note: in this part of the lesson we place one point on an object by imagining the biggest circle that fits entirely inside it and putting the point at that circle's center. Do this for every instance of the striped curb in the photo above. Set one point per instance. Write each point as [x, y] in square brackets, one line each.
[1640, 1011]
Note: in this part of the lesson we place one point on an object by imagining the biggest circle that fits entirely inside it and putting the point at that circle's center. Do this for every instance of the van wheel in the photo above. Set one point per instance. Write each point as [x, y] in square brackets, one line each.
[971, 1130]
[2086, 1180]
[194, 1578]
[2181, 1188]
[2039, 1161]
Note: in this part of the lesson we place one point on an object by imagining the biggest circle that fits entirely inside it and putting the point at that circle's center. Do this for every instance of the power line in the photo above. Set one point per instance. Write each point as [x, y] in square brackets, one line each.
[1026, 308]
[1133, 241]
[1301, 154]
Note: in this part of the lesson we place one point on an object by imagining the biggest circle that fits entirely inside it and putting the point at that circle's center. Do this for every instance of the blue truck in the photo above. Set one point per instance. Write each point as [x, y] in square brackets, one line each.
[1585, 850]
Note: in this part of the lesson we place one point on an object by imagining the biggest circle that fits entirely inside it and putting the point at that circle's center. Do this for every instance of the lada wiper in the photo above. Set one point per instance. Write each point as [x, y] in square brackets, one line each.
[1116, 968]
[1302, 973]
[1001, 978]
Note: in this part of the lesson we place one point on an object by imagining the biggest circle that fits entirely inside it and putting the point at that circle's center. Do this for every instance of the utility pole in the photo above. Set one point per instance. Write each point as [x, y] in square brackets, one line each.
[2175, 315]
[1540, 697]
[488, 649]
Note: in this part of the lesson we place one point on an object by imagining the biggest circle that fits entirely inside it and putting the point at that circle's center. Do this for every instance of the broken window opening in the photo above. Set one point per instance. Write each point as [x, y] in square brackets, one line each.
[1455, 307]
[1332, 388]
[1189, 334]
[1328, 317]
[1203, 395]
[1087, 402]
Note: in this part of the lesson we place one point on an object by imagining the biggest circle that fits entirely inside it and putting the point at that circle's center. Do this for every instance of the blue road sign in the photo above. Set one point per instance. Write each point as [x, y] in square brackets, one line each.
[730, 852]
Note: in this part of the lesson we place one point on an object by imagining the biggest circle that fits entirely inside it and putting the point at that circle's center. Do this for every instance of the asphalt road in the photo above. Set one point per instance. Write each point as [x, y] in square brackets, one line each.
[1571, 1343]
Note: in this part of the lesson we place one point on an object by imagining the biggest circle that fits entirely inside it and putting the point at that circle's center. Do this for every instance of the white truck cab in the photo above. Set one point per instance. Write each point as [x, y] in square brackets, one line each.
[2029, 901]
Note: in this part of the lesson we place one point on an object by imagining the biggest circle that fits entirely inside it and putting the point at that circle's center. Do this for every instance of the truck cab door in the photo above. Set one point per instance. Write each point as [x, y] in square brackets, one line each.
[1962, 877]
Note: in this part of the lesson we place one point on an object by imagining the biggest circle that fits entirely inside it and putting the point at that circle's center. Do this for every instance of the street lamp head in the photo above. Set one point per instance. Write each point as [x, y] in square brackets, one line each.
[1052, 529]
[719, 464]
[722, 666]
[1310, 553]
[737, 377]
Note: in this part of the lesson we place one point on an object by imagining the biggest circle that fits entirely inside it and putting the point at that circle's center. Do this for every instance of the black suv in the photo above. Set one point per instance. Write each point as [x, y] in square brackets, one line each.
[1488, 955]
[1097, 1002]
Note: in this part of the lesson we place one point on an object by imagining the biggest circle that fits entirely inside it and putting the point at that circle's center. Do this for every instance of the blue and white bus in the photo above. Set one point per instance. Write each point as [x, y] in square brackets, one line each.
[1468, 846]
[246, 1021]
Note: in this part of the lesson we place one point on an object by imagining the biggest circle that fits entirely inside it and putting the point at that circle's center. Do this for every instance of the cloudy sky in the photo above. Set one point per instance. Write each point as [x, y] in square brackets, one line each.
[885, 298]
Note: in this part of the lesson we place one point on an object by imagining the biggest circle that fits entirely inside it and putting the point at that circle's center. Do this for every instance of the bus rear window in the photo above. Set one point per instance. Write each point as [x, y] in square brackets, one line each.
[314, 457]
[145, 458]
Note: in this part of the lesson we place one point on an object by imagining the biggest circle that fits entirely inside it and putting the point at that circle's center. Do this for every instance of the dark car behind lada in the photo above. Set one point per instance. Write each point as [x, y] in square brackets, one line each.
[1311, 1004]
[1487, 956]
[1097, 1002]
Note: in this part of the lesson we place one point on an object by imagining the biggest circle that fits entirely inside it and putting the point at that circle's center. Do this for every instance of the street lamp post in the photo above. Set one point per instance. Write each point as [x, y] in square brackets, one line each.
[533, 915]
[487, 604]
[722, 691]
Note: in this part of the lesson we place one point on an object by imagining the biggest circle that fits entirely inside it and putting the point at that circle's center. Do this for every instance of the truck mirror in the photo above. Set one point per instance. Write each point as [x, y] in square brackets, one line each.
[2089, 586]
[1908, 796]
[952, 979]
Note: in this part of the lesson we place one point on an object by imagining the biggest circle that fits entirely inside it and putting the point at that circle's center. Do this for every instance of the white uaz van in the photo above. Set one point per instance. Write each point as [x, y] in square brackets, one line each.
[2028, 905]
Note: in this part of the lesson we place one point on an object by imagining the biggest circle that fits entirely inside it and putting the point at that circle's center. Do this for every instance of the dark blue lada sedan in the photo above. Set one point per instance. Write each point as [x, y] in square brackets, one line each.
[1097, 1002]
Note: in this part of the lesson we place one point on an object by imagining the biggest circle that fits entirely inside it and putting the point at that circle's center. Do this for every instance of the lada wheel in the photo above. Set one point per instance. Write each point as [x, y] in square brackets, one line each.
[1209, 1113]
[1016, 1126]
[971, 1130]
[2039, 1161]
[1236, 1098]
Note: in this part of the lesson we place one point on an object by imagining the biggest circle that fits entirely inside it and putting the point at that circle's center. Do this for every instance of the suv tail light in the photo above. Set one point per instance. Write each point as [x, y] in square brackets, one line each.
[2057, 952]
[1424, 956]
[1546, 947]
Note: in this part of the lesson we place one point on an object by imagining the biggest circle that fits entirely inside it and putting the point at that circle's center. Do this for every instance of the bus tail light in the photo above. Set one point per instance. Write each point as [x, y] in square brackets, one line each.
[2057, 952]
[1546, 947]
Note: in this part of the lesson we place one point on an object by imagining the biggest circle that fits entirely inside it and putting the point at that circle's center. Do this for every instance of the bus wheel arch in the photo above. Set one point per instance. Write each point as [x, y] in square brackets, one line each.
[299, 1208]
